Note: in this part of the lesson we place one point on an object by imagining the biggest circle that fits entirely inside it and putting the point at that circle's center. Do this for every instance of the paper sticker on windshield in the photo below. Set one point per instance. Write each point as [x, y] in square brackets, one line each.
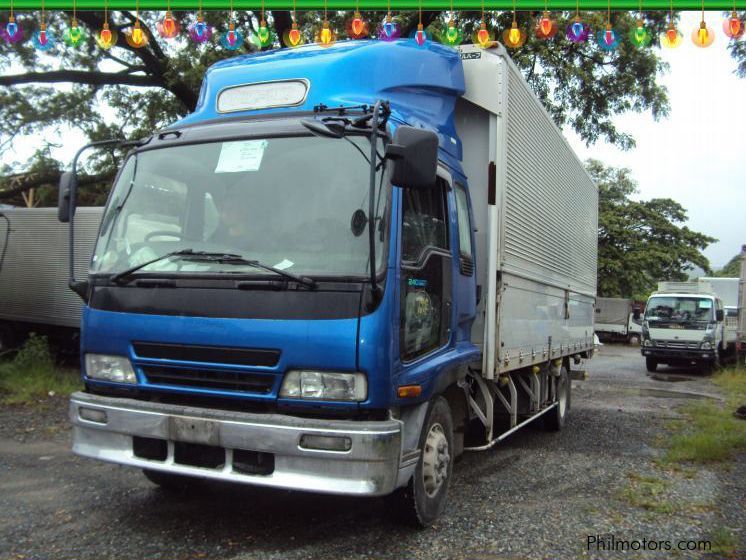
[283, 264]
[704, 303]
[244, 155]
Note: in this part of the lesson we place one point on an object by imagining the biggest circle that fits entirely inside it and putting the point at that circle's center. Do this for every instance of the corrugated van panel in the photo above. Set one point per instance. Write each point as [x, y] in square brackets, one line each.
[550, 230]
[34, 275]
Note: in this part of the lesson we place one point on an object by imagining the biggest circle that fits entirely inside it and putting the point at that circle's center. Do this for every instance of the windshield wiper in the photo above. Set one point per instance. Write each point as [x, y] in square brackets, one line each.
[204, 256]
[231, 258]
[120, 277]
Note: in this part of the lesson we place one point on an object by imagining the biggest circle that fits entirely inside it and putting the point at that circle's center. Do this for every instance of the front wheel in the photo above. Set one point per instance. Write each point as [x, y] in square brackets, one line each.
[554, 420]
[651, 364]
[423, 500]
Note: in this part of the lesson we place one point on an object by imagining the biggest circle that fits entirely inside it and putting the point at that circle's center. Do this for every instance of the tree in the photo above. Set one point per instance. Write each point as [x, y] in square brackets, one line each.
[132, 92]
[730, 270]
[640, 242]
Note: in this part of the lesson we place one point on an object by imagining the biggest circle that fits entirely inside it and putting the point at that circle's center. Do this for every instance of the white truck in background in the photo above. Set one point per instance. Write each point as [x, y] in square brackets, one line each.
[684, 324]
[617, 319]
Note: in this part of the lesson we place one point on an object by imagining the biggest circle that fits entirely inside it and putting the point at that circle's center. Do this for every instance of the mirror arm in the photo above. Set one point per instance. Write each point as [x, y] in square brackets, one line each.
[74, 284]
[372, 202]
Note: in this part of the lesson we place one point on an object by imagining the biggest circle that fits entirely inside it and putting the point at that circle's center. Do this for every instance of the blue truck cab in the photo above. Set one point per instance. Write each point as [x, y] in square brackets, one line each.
[285, 285]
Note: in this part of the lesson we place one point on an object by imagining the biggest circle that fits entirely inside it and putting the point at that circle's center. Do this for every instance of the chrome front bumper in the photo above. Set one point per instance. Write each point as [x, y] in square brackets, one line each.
[371, 466]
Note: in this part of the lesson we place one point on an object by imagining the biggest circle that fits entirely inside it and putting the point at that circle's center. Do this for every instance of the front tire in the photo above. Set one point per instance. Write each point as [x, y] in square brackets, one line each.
[554, 420]
[423, 500]
[651, 364]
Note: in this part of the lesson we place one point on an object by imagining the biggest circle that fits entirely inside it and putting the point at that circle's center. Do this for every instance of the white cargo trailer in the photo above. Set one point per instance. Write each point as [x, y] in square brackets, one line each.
[34, 271]
[536, 216]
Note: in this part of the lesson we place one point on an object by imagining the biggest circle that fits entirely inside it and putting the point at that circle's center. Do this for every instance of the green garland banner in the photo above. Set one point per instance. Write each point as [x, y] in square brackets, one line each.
[379, 5]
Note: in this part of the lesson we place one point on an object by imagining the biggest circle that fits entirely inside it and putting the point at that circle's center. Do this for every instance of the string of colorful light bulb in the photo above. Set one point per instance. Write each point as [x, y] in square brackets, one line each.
[232, 38]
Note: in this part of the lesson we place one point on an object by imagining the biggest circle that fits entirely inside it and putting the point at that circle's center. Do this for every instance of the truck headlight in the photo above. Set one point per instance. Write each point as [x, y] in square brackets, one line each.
[109, 368]
[647, 342]
[706, 345]
[322, 385]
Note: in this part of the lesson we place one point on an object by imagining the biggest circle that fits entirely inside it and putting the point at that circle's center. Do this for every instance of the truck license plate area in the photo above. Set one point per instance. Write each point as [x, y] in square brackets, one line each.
[194, 430]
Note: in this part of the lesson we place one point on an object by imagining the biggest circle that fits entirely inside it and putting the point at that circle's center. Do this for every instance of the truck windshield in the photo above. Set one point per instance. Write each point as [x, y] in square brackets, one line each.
[293, 203]
[679, 309]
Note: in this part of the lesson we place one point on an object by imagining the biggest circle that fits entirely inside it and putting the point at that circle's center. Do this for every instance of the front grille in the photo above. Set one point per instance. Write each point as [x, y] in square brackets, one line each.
[208, 354]
[677, 344]
[204, 379]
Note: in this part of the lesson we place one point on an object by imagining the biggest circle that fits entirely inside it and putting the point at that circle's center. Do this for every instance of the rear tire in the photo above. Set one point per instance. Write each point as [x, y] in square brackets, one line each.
[168, 481]
[554, 420]
[423, 500]
[651, 364]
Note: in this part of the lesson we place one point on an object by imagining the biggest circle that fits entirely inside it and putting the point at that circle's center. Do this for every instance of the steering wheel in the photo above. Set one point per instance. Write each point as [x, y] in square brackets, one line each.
[163, 233]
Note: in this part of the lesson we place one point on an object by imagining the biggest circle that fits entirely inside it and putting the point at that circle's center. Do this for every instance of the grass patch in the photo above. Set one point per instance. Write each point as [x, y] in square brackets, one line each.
[724, 543]
[647, 492]
[713, 434]
[31, 375]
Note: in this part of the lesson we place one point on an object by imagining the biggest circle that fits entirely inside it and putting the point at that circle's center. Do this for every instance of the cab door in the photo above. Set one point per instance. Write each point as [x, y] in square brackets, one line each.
[426, 272]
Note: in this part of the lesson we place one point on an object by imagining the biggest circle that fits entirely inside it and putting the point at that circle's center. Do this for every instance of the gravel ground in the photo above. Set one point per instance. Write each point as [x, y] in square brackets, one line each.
[537, 495]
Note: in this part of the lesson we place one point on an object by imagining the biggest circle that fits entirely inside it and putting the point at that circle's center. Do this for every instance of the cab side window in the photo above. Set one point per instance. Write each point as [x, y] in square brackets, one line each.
[466, 255]
[426, 272]
[423, 221]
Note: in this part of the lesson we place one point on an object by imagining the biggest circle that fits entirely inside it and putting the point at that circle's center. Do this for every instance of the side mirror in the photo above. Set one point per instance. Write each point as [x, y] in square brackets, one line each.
[636, 314]
[719, 315]
[67, 183]
[414, 153]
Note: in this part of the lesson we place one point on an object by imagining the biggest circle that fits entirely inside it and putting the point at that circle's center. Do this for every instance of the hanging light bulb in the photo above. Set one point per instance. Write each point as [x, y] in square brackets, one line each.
[74, 36]
[639, 35]
[43, 40]
[483, 36]
[452, 36]
[546, 27]
[325, 36]
[168, 27]
[514, 37]
[577, 31]
[357, 27]
[135, 36]
[420, 36]
[703, 36]
[733, 26]
[200, 31]
[293, 37]
[608, 40]
[671, 38]
[11, 32]
[232, 39]
[106, 38]
[389, 30]
[264, 36]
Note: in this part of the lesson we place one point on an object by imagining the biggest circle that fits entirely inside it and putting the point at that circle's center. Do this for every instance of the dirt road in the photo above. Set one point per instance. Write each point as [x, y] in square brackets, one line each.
[538, 495]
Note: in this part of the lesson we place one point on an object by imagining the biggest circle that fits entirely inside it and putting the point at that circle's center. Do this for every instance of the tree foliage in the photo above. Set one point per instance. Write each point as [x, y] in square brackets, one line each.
[738, 49]
[641, 242]
[731, 270]
[132, 92]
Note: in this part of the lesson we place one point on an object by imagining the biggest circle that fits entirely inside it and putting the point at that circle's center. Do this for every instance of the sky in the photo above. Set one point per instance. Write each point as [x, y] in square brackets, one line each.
[695, 155]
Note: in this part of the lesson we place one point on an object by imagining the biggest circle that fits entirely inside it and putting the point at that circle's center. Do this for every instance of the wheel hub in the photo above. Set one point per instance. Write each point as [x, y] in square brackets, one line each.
[435, 460]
